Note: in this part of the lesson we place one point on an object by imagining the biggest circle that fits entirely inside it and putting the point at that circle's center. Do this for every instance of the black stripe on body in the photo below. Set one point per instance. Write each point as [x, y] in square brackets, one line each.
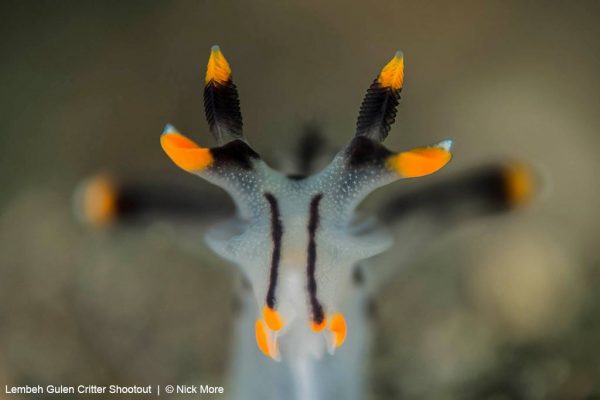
[276, 234]
[313, 224]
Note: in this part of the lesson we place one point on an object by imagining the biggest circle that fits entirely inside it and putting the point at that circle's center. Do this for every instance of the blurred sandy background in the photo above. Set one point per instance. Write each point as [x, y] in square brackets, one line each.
[504, 308]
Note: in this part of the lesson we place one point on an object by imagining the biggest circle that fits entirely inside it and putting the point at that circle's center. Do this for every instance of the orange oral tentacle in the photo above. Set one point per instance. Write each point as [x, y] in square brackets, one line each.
[266, 344]
[338, 327]
[419, 162]
[185, 153]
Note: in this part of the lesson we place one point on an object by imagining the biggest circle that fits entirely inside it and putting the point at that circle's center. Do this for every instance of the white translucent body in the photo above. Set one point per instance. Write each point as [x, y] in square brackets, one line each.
[341, 243]
[317, 212]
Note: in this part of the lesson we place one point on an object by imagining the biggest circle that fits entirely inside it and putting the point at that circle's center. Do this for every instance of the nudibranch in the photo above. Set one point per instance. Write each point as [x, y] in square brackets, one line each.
[297, 239]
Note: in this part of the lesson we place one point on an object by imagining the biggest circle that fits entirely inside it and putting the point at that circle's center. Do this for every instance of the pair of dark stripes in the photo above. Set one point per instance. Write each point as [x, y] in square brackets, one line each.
[276, 236]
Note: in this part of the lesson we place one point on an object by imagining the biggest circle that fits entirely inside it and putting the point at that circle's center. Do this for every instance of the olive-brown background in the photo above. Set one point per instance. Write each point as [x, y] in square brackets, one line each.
[502, 308]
